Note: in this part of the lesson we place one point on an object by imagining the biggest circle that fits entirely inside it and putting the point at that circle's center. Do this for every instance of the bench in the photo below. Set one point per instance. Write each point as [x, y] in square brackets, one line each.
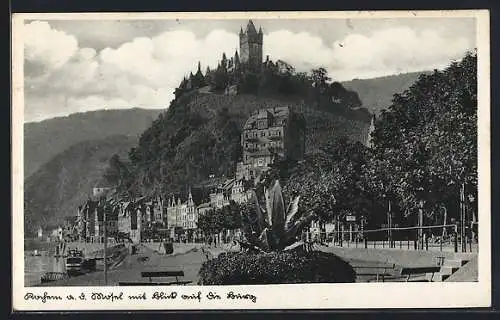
[408, 272]
[158, 274]
[380, 272]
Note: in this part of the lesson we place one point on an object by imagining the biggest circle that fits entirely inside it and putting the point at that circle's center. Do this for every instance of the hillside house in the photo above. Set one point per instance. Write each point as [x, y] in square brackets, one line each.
[268, 135]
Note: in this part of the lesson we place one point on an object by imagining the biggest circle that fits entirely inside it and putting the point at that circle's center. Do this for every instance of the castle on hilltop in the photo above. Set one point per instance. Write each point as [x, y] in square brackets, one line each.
[231, 70]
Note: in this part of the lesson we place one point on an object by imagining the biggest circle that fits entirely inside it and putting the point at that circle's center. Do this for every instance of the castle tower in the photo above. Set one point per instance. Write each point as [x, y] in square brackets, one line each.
[251, 47]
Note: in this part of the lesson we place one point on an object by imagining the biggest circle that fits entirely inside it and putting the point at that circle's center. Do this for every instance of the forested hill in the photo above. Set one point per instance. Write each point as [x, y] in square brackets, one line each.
[64, 182]
[377, 93]
[44, 140]
[200, 135]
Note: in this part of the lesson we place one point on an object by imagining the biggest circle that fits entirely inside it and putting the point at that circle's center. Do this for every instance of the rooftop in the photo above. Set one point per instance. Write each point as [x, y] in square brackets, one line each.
[277, 114]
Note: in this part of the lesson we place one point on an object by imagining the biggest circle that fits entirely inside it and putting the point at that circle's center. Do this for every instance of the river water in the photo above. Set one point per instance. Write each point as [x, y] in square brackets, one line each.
[36, 266]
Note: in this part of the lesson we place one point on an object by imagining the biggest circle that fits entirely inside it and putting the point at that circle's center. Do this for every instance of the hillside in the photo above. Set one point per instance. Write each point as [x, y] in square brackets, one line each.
[44, 140]
[200, 135]
[376, 93]
[65, 181]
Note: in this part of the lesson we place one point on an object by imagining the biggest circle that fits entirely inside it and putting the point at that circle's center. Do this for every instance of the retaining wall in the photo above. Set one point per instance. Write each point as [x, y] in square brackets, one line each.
[399, 257]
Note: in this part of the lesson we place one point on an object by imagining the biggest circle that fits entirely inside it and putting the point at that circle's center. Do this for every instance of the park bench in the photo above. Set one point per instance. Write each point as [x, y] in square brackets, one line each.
[158, 274]
[377, 271]
[408, 272]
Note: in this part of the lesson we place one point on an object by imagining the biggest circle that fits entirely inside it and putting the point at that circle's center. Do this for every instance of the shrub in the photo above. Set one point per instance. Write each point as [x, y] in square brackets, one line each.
[240, 268]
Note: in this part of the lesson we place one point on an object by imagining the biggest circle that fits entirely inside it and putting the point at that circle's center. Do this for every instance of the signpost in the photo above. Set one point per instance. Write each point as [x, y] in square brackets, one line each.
[350, 218]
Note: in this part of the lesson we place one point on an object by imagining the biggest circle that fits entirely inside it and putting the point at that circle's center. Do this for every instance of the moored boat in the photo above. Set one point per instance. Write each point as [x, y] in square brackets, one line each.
[75, 262]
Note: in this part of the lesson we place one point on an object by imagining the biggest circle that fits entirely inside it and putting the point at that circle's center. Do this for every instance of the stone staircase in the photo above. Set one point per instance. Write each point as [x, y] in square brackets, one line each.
[448, 267]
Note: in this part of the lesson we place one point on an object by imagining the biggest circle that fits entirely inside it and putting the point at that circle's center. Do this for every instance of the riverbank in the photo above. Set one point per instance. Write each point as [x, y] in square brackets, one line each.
[188, 258]
[36, 266]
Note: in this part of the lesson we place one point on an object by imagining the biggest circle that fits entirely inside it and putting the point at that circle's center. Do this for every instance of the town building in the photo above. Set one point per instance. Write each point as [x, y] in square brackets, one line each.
[88, 225]
[203, 208]
[269, 135]
[182, 215]
[98, 192]
[155, 211]
[220, 196]
[240, 192]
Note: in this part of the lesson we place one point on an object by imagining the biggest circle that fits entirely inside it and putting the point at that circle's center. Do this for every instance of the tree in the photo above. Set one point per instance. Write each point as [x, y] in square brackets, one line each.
[428, 137]
[221, 79]
[118, 173]
[319, 78]
[210, 222]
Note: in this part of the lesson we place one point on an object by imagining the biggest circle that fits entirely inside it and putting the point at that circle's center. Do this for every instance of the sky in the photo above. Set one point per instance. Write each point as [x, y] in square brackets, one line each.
[82, 65]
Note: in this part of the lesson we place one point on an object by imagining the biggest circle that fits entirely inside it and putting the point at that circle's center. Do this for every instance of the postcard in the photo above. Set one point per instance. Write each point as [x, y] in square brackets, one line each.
[258, 160]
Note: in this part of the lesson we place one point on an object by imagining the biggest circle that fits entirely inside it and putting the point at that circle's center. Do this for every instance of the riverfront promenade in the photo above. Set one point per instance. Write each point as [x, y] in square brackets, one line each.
[189, 258]
[186, 257]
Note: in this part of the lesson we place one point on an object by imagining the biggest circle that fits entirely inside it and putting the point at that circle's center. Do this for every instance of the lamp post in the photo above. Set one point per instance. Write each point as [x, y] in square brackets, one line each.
[105, 246]
[462, 218]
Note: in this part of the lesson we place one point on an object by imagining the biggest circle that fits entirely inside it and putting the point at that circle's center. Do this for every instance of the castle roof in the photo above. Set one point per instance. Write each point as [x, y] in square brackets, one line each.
[277, 115]
[251, 28]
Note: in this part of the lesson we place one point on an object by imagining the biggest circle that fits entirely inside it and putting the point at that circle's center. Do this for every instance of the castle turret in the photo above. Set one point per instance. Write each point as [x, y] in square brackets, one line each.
[236, 58]
[223, 61]
[198, 79]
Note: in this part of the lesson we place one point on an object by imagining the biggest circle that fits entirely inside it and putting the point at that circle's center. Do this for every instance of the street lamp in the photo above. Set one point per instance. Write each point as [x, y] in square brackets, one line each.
[106, 207]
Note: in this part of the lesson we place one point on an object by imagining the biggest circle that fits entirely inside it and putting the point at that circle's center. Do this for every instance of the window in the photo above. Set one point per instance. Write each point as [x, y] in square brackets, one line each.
[262, 133]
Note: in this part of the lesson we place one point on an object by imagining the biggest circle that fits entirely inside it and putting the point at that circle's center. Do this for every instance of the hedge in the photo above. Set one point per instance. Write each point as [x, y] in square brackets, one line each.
[241, 268]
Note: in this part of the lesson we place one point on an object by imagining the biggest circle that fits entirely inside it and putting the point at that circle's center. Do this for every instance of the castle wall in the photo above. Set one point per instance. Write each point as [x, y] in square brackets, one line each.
[244, 49]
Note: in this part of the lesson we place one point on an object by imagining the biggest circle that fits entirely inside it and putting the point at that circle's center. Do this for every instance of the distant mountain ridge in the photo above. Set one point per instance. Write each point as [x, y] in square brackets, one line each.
[376, 93]
[57, 188]
[44, 140]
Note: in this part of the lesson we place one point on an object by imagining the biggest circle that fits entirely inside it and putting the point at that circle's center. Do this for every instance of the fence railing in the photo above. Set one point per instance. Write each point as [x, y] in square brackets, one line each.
[388, 238]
